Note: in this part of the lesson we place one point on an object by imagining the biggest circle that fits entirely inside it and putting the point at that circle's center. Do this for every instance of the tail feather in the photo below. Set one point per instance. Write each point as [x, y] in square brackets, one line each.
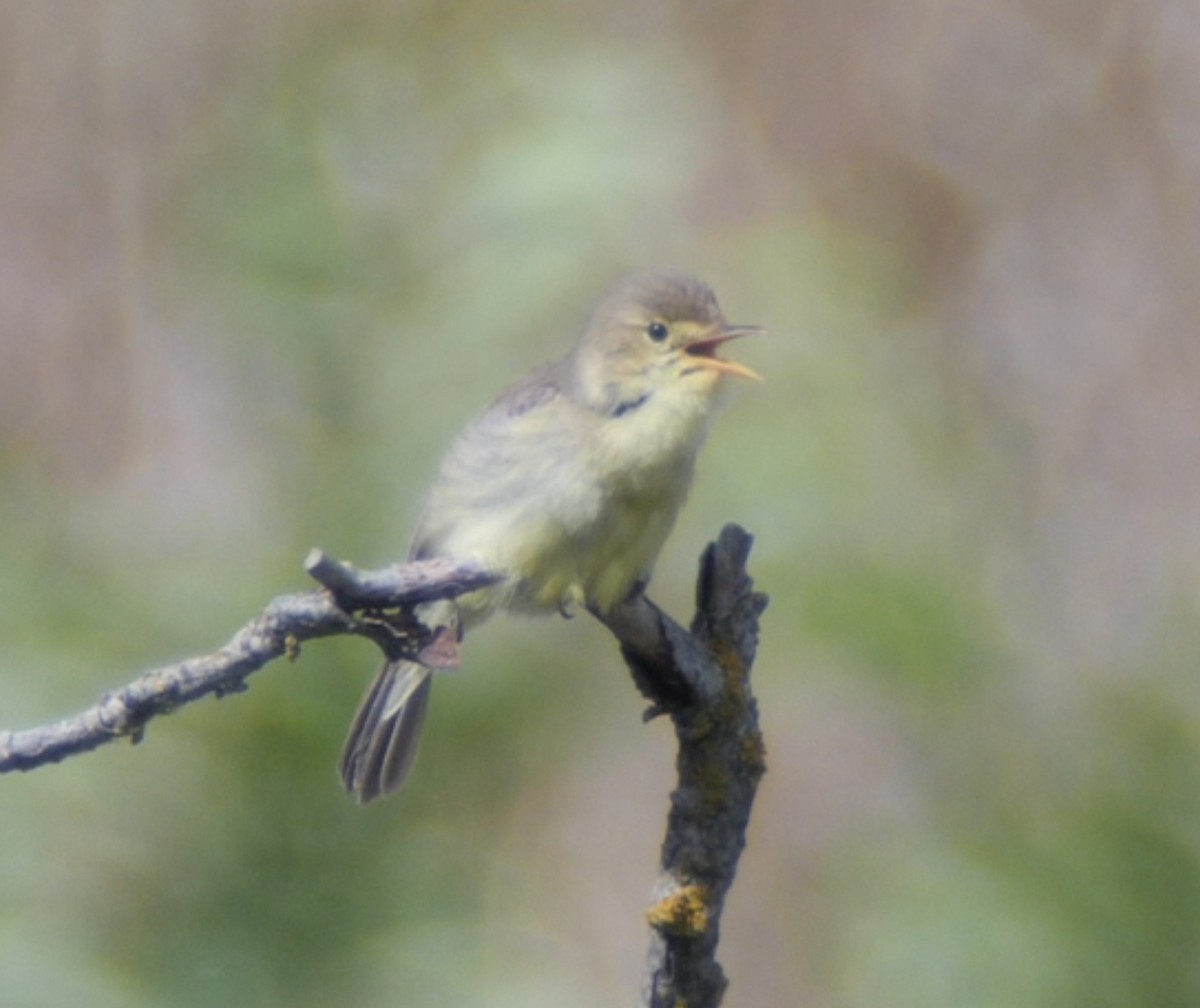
[382, 744]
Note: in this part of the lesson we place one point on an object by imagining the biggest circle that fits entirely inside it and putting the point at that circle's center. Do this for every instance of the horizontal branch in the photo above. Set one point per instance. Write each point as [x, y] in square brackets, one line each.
[372, 604]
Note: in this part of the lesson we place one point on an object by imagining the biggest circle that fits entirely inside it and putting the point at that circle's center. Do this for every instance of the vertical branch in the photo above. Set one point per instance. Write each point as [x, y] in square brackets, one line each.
[702, 681]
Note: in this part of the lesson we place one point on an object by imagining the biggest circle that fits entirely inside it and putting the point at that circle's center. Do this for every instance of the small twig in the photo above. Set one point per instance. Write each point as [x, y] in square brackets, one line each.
[399, 585]
[702, 680]
[278, 630]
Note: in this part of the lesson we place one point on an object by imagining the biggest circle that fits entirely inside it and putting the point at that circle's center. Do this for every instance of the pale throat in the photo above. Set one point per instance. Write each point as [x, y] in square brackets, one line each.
[657, 427]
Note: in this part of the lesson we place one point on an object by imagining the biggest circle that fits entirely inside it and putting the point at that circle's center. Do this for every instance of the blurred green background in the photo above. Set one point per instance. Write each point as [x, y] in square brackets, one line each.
[260, 260]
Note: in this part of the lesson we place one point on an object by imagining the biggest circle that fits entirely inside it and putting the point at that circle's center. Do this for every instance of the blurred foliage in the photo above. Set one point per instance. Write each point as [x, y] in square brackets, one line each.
[263, 259]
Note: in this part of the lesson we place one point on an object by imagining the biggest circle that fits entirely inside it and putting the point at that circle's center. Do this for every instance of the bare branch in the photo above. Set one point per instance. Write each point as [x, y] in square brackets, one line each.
[372, 604]
[702, 680]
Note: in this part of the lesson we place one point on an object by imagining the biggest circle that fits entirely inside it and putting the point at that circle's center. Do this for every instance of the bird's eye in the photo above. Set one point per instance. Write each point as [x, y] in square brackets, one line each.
[657, 331]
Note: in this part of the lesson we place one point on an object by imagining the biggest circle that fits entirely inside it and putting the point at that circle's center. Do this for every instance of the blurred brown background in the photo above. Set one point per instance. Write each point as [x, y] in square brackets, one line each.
[258, 262]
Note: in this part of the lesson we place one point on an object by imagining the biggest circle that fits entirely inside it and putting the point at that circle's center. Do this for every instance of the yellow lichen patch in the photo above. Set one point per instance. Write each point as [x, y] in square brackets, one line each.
[754, 751]
[711, 778]
[730, 661]
[736, 695]
[684, 912]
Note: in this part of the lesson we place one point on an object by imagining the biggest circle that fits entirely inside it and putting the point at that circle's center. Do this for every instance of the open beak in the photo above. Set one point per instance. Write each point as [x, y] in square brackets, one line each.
[704, 350]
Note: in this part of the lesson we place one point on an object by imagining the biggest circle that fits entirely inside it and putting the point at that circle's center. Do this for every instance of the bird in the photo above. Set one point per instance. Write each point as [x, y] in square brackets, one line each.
[565, 487]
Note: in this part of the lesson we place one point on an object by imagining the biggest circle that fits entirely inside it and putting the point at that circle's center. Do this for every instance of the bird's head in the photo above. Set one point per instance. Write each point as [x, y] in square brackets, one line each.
[654, 333]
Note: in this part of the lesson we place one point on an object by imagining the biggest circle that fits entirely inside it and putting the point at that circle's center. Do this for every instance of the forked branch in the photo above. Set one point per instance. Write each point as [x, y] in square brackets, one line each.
[701, 679]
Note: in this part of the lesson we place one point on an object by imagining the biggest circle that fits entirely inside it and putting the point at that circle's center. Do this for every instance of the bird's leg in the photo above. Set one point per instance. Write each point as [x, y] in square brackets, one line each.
[572, 601]
[444, 649]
